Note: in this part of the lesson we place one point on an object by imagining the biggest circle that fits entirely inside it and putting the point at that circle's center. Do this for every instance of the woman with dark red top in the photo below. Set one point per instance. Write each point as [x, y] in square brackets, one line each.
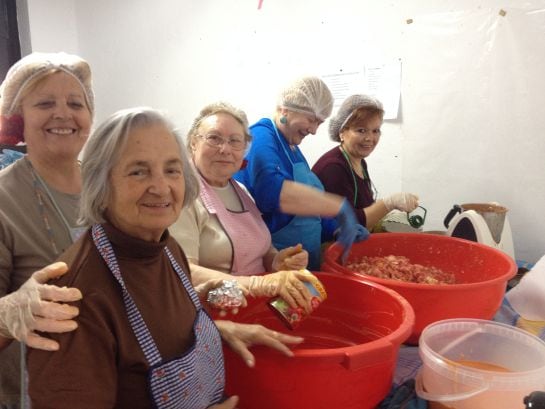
[343, 169]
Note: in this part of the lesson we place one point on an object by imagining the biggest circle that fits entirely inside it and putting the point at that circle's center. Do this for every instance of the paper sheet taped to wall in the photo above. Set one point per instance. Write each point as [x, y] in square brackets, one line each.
[382, 81]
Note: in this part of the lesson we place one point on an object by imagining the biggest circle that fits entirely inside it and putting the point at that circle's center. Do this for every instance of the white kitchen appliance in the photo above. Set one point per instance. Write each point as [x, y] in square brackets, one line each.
[485, 223]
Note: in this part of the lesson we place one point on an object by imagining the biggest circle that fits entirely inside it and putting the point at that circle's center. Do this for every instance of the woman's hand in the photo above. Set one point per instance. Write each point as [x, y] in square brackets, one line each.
[286, 284]
[37, 306]
[241, 336]
[406, 202]
[291, 258]
[204, 288]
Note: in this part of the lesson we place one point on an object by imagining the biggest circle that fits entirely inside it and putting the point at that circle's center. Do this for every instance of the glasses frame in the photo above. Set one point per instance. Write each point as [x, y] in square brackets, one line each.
[229, 142]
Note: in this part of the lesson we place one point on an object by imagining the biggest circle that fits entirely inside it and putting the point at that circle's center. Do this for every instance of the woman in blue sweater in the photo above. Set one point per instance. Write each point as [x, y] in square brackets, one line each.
[292, 199]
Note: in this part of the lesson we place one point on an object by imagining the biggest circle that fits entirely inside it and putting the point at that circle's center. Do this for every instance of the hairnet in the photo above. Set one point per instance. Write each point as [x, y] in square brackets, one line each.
[347, 109]
[32, 67]
[308, 95]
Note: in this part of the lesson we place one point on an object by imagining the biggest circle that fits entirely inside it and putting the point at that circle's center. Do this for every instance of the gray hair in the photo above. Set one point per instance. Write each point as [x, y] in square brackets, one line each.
[353, 109]
[213, 109]
[103, 150]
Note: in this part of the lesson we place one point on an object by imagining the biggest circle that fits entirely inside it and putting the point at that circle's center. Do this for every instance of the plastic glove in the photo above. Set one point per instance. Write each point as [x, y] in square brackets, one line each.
[361, 233]
[241, 336]
[406, 202]
[286, 284]
[33, 307]
[348, 228]
[291, 258]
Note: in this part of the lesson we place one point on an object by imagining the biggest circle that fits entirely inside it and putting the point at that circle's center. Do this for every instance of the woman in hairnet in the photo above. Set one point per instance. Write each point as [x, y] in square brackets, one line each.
[292, 199]
[343, 169]
[46, 100]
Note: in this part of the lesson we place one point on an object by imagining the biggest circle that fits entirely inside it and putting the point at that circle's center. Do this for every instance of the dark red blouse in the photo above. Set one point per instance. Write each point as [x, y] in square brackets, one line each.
[335, 174]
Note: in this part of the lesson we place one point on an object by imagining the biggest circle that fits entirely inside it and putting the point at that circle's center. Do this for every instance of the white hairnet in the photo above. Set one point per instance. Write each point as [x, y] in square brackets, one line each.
[347, 109]
[308, 95]
[33, 66]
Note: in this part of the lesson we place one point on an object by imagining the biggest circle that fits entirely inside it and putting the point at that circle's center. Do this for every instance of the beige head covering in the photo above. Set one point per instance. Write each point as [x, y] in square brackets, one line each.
[308, 95]
[347, 109]
[33, 66]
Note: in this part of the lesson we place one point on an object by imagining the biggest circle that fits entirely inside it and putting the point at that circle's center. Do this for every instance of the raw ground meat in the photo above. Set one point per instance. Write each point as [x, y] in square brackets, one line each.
[400, 268]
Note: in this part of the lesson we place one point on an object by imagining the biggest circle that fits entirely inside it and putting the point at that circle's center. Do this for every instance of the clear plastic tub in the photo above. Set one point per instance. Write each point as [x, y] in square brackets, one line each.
[474, 364]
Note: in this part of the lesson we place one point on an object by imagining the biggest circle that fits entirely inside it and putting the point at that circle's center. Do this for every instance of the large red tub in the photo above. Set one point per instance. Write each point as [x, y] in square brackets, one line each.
[348, 357]
[481, 274]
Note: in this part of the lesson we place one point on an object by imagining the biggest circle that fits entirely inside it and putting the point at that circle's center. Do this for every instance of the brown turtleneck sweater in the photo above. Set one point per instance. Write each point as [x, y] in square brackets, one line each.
[100, 364]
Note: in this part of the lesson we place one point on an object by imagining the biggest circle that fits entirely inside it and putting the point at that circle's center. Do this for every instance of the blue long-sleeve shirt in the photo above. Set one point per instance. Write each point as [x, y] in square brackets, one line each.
[267, 169]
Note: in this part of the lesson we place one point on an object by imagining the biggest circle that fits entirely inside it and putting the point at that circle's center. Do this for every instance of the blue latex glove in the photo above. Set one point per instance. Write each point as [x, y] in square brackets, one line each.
[361, 234]
[349, 229]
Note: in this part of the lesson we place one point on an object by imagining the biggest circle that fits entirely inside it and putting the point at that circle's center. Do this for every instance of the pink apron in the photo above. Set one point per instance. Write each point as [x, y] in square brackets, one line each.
[246, 230]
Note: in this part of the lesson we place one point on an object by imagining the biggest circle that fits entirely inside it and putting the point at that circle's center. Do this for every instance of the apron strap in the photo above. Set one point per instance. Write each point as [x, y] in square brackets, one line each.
[281, 142]
[185, 280]
[138, 325]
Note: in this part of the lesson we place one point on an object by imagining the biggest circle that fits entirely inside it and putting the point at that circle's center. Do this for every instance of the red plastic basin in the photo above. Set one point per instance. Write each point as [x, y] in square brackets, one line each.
[348, 357]
[481, 274]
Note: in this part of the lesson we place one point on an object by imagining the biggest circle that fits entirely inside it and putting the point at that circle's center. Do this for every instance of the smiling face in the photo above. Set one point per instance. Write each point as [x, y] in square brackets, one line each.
[147, 184]
[217, 164]
[297, 126]
[361, 138]
[56, 118]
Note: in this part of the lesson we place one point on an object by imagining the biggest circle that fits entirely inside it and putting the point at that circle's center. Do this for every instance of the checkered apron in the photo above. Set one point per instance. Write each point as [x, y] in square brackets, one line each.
[194, 380]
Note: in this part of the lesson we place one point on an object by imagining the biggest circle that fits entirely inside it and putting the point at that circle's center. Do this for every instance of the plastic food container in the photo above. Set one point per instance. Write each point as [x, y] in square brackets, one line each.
[479, 364]
[481, 274]
[347, 360]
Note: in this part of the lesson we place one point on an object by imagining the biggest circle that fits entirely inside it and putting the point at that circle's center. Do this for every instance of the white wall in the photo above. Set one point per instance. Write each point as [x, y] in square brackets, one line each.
[471, 122]
[52, 25]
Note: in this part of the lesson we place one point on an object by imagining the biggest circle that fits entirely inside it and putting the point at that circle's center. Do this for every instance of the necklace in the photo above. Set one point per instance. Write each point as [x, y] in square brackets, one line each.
[39, 188]
[366, 178]
[352, 172]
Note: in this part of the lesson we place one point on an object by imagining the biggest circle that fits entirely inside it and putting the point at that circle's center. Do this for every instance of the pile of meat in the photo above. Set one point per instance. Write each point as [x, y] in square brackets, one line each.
[400, 268]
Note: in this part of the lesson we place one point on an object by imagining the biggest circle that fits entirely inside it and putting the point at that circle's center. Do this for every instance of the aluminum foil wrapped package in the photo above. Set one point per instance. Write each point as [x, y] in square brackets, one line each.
[228, 296]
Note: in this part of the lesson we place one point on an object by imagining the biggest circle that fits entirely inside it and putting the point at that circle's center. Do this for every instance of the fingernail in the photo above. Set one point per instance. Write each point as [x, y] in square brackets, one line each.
[250, 363]
[76, 294]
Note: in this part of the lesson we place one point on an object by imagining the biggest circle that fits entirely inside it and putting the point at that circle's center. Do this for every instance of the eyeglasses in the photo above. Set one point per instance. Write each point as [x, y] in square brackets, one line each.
[217, 141]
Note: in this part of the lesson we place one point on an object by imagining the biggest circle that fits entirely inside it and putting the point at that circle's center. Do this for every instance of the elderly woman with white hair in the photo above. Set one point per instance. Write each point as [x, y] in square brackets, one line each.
[46, 101]
[144, 339]
[343, 169]
[292, 199]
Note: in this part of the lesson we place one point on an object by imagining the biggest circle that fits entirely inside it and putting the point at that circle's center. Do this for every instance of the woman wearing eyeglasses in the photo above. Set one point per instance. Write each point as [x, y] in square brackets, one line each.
[222, 232]
[343, 169]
